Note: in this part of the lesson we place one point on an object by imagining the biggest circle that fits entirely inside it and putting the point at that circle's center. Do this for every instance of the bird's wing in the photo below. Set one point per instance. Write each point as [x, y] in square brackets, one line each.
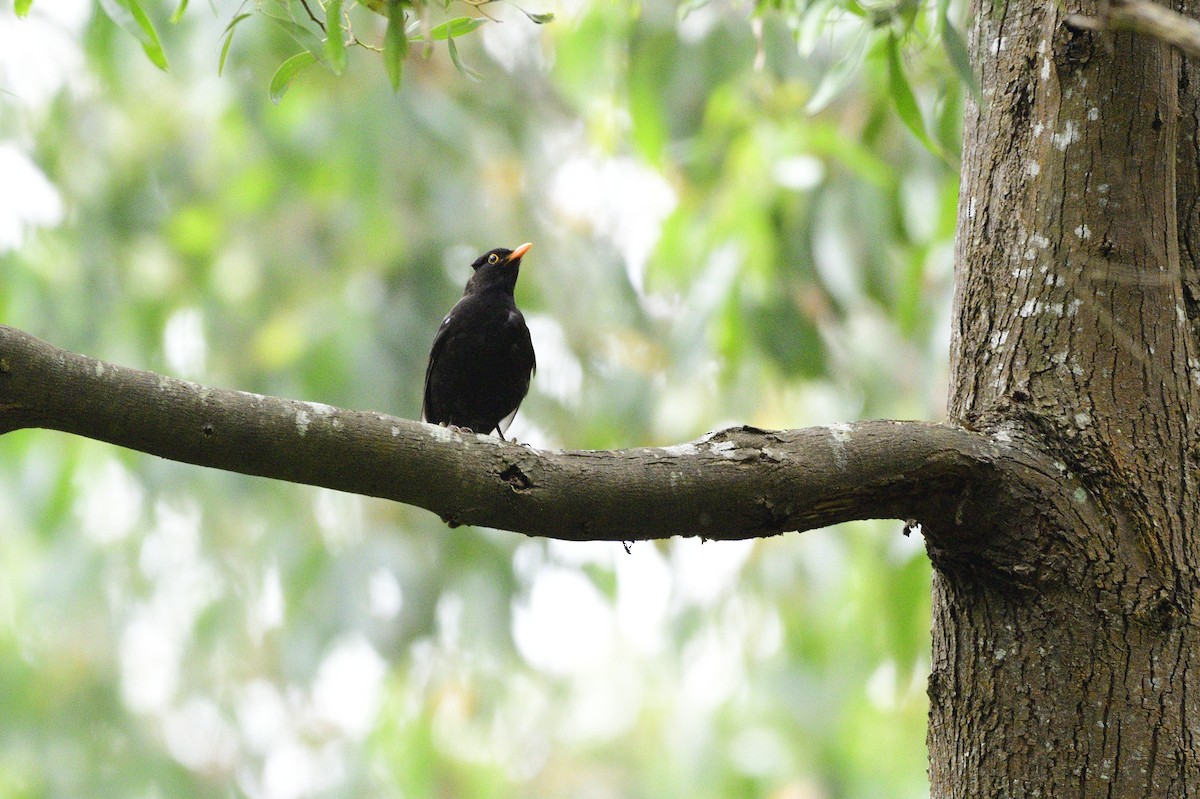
[439, 340]
[524, 344]
[517, 320]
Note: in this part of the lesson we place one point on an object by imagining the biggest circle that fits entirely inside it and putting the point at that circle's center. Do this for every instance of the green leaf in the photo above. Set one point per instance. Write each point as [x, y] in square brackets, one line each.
[539, 19]
[395, 45]
[903, 98]
[302, 35]
[335, 44]
[835, 80]
[459, 26]
[22, 7]
[956, 49]
[652, 62]
[224, 52]
[228, 35]
[287, 72]
[178, 15]
[129, 15]
[458, 64]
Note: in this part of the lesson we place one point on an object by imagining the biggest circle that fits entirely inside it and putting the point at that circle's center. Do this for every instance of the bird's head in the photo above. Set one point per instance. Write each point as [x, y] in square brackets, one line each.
[497, 267]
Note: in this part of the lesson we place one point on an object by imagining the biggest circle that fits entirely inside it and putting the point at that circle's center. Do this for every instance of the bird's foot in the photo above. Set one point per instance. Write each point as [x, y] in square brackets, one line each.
[455, 428]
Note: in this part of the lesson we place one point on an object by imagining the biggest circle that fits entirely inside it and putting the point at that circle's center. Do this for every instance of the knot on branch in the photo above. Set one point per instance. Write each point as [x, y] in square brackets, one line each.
[516, 478]
[741, 444]
[1074, 45]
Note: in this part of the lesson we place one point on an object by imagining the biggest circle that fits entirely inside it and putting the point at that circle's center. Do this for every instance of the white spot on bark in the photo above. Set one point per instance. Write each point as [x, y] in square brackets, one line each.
[1093, 114]
[1083, 232]
[680, 450]
[723, 448]
[998, 44]
[1082, 419]
[99, 369]
[1038, 128]
[998, 338]
[1068, 136]
[395, 431]
[1039, 241]
[1045, 68]
[1022, 274]
[302, 420]
[1029, 309]
[971, 208]
[1033, 169]
[841, 436]
[321, 409]
[1073, 306]
[443, 433]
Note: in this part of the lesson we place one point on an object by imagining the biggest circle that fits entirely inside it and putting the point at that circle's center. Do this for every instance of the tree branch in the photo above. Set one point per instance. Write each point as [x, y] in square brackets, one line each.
[736, 483]
[1147, 18]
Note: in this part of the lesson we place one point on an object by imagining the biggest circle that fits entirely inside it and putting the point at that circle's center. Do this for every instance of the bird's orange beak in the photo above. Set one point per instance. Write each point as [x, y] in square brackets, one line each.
[517, 253]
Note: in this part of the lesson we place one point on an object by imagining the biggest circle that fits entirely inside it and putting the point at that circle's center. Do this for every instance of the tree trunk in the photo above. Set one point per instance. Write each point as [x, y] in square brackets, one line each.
[1066, 659]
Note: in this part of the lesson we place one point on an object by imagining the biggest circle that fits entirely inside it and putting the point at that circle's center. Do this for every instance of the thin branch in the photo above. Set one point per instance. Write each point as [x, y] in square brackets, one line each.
[312, 16]
[1147, 18]
[736, 483]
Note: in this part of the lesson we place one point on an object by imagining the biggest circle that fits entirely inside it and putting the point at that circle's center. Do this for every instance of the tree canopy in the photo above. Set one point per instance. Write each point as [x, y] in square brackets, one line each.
[740, 215]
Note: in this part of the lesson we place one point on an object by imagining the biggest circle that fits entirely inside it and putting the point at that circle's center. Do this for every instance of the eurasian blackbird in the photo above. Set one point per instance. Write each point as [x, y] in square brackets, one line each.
[482, 357]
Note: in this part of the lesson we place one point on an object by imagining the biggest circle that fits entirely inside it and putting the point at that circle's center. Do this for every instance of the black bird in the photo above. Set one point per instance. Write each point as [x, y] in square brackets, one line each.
[482, 357]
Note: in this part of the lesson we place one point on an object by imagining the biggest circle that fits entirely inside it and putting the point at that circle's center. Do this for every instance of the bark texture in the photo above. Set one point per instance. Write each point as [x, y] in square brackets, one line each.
[736, 483]
[1076, 330]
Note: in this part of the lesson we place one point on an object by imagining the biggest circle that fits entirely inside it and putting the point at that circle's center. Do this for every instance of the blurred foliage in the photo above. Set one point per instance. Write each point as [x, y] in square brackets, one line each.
[739, 214]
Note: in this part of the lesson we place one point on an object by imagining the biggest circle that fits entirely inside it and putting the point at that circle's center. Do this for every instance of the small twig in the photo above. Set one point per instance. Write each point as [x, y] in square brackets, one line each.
[478, 6]
[1147, 18]
[352, 40]
[312, 16]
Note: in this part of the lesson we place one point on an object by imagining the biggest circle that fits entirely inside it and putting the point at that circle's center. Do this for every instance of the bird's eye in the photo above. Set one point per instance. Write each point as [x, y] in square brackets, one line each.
[493, 258]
